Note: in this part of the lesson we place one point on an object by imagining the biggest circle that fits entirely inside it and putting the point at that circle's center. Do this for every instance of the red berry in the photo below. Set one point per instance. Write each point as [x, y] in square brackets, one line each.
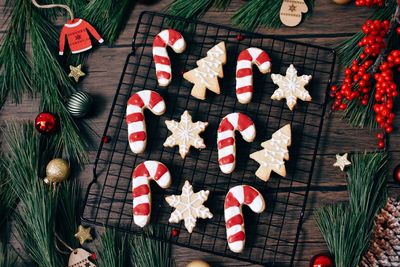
[174, 232]
[381, 144]
[106, 139]
[240, 37]
[379, 135]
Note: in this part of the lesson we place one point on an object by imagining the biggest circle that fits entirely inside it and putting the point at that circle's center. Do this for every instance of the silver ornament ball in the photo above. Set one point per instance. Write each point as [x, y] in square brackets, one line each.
[79, 104]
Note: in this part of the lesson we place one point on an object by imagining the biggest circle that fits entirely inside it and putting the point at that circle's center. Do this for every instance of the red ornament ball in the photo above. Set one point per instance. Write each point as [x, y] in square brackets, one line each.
[174, 232]
[240, 37]
[46, 123]
[396, 173]
[322, 260]
[106, 139]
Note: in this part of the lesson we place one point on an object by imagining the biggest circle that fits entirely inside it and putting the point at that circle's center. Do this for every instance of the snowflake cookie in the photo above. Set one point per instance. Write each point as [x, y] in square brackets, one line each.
[185, 134]
[291, 87]
[189, 206]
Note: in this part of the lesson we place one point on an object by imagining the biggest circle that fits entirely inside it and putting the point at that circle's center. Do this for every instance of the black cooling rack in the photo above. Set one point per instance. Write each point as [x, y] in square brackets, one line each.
[272, 236]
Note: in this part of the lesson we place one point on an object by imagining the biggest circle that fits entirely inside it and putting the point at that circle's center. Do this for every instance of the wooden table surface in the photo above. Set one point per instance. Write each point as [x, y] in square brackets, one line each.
[104, 68]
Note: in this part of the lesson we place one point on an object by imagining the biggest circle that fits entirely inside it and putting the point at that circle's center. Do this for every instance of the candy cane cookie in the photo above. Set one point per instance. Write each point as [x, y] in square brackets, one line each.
[166, 38]
[244, 71]
[141, 176]
[236, 197]
[137, 135]
[226, 138]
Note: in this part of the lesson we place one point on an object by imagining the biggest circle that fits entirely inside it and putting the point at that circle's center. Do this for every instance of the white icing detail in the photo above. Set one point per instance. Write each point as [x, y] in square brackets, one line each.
[136, 126]
[225, 134]
[231, 212]
[249, 134]
[234, 229]
[163, 67]
[233, 118]
[160, 51]
[244, 96]
[145, 96]
[140, 200]
[139, 180]
[151, 167]
[238, 193]
[236, 246]
[101, 40]
[164, 35]
[243, 64]
[179, 45]
[159, 108]
[227, 168]
[71, 25]
[81, 50]
[137, 146]
[258, 204]
[244, 81]
[141, 220]
[134, 109]
[254, 52]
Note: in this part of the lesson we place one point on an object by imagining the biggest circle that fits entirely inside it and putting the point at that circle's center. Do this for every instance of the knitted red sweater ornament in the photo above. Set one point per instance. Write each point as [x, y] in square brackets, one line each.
[76, 31]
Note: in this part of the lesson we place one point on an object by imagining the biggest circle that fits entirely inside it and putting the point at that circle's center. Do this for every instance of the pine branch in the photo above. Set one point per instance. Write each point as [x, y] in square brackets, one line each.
[148, 251]
[113, 250]
[8, 256]
[349, 50]
[14, 64]
[108, 16]
[261, 13]
[347, 228]
[194, 9]
[7, 197]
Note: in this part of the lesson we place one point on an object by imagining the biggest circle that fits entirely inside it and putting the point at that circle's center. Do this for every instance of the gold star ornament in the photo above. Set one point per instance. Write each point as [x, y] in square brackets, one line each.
[76, 72]
[185, 134]
[342, 161]
[83, 234]
[291, 87]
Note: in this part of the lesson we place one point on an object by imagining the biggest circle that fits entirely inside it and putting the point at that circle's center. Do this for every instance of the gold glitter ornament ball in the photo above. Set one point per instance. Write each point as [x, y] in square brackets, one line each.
[198, 263]
[57, 170]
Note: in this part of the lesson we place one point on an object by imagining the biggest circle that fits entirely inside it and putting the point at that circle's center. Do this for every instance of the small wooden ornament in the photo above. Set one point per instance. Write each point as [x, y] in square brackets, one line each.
[80, 257]
[198, 263]
[291, 12]
[342, 2]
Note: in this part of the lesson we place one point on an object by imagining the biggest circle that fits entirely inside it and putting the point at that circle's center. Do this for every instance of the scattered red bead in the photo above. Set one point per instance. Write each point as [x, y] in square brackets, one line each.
[93, 257]
[106, 139]
[398, 30]
[240, 37]
[396, 173]
[174, 232]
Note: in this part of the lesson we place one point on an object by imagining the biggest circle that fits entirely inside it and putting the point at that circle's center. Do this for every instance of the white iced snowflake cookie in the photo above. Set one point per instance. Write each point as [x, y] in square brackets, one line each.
[189, 206]
[291, 87]
[185, 134]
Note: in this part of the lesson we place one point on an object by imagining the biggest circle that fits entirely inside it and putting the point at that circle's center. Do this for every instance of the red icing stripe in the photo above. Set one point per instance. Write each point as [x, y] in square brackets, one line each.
[136, 100]
[140, 190]
[226, 160]
[161, 170]
[235, 220]
[137, 136]
[225, 125]
[249, 194]
[163, 74]
[239, 236]
[134, 117]
[245, 55]
[244, 122]
[244, 89]
[161, 60]
[226, 142]
[231, 201]
[262, 58]
[243, 72]
[140, 170]
[142, 209]
[174, 36]
[159, 42]
[155, 98]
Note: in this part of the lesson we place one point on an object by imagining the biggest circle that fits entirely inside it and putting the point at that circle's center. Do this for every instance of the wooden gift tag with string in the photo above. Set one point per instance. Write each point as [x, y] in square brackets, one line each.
[291, 12]
[77, 257]
[76, 31]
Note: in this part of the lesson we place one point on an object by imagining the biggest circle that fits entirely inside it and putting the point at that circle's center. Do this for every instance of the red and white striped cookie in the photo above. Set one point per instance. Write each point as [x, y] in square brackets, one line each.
[236, 197]
[226, 138]
[141, 193]
[244, 71]
[137, 135]
[166, 38]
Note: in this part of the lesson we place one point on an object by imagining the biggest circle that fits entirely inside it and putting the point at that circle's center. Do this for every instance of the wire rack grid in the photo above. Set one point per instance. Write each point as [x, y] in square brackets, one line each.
[272, 236]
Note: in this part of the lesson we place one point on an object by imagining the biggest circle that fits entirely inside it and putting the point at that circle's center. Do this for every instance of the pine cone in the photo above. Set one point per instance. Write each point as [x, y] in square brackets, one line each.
[384, 250]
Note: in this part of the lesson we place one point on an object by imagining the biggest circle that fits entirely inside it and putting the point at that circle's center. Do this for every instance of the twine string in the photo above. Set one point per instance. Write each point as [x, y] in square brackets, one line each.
[71, 14]
[64, 244]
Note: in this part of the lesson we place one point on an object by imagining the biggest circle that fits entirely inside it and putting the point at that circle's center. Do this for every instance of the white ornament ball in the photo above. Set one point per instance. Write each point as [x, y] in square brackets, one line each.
[79, 104]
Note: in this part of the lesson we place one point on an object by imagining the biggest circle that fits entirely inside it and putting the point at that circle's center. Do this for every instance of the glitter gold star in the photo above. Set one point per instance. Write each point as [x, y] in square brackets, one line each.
[76, 72]
[83, 234]
[341, 161]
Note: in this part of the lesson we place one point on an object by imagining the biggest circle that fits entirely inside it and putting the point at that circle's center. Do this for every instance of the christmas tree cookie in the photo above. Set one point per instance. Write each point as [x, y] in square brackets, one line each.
[274, 154]
[209, 69]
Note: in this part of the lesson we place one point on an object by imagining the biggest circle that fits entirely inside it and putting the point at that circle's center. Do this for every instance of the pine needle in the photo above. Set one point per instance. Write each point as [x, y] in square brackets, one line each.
[149, 250]
[107, 16]
[113, 250]
[8, 257]
[347, 228]
[261, 13]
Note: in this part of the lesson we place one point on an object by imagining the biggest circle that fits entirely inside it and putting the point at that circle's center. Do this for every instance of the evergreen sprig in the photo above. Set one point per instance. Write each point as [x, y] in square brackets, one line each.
[113, 250]
[149, 250]
[347, 228]
[8, 256]
[256, 13]
[194, 9]
[107, 16]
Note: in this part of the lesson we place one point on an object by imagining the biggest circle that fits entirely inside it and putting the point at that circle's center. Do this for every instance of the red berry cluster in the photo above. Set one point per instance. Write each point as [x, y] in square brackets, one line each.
[370, 3]
[374, 39]
[357, 81]
[386, 91]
